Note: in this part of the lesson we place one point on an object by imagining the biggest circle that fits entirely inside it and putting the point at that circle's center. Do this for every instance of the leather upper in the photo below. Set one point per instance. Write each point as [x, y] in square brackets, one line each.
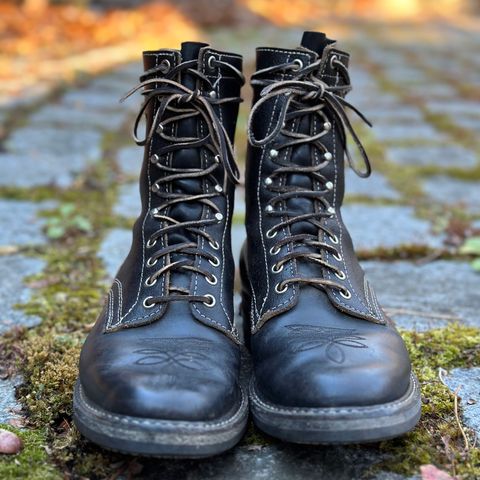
[311, 347]
[179, 359]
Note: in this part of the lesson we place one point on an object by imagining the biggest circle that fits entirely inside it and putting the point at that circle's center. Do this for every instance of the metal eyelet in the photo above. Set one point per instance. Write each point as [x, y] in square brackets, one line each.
[212, 94]
[327, 156]
[268, 181]
[147, 304]
[281, 290]
[218, 188]
[215, 262]
[149, 282]
[329, 186]
[269, 209]
[331, 211]
[346, 294]
[327, 126]
[298, 63]
[215, 245]
[219, 217]
[210, 61]
[337, 257]
[212, 301]
[269, 234]
[151, 262]
[341, 275]
[276, 268]
[213, 280]
[151, 243]
[165, 64]
[273, 153]
[333, 58]
[155, 158]
[333, 239]
[274, 250]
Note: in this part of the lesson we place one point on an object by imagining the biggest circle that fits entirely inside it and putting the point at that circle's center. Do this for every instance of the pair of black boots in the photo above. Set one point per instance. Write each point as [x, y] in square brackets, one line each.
[164, 371]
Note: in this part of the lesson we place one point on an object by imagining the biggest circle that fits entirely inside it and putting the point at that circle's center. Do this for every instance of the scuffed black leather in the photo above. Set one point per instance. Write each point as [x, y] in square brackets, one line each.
[311, 347]
[178, 360]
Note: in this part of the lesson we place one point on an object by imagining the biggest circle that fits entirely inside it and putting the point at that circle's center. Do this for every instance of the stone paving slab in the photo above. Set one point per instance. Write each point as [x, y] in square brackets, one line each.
[13, 291]
[387, 226]
[114, 248]
[33, 140]
[376, 186]
[43, 170]
[421, 297]
[466, 383]
[437, 156]
[278, 461]
[129, 203]
[68, 116]
[451, 192]
[129, 160]
[20, 224]
[408, 132]
[9, 406]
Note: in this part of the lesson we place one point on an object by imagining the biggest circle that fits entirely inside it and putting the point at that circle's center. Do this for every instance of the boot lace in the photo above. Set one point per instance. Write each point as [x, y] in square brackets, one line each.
[305, 95]
[175, 102]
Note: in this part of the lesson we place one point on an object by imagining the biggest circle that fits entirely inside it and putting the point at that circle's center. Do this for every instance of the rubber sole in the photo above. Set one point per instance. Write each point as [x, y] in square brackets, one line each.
[338, 425]
[158, 438]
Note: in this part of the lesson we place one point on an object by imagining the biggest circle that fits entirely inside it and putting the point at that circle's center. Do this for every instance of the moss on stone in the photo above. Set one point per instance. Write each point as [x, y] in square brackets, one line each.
[437, 439]
[33, 462]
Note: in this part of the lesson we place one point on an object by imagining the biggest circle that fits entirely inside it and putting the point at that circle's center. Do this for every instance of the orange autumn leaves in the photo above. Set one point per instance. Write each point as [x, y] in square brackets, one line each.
[34, 42]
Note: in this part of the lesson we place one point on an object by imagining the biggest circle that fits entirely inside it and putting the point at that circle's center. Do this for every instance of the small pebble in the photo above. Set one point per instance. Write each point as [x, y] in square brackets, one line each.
[9, 442]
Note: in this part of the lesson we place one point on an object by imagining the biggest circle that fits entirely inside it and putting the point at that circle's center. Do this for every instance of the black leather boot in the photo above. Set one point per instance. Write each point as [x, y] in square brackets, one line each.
[329, 366]
[160, 371]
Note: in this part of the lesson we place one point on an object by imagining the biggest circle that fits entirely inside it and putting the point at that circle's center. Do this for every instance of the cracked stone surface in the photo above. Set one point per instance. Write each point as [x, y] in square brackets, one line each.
[376, 186]
[438, 156]
[453, 192]
[114, 248]
[13, 291]
[20, 222]
[129, 204]
[389, 226]
[421, 297]
[467, 381]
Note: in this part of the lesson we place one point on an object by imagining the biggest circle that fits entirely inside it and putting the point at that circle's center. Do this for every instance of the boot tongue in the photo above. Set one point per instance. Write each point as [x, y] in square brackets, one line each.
[315, 41]
[190, 50]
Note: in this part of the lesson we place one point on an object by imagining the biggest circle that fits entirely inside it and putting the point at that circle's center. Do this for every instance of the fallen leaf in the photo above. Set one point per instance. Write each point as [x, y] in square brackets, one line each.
[431, 472]
[9, 442]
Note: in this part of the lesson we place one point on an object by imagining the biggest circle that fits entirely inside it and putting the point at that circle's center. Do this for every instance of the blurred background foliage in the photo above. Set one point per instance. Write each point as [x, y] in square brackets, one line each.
[48, 40]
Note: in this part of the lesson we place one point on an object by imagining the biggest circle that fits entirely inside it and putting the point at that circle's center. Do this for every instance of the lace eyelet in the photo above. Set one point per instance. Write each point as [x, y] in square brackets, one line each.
[331, 211]
[333, 58]
[273, 153]
[329, 186]
[268, 181]
[215, 262]
[337, 257]
[210, 61]
[281, 290]
[147, 304]
[341, 275]
[212, 301]
[149, 282]
[269, 209]
[154, 158]
[165, 65]
[346, 294]
[151, 262]
[218, 188]
[269, 234]
[212, 94]
[151, 243]
[327, 156]
[274, 250]
[276, 268]
[219, 217]
[215, 245]
[298, 63]
[213, 280]
[333, 239]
